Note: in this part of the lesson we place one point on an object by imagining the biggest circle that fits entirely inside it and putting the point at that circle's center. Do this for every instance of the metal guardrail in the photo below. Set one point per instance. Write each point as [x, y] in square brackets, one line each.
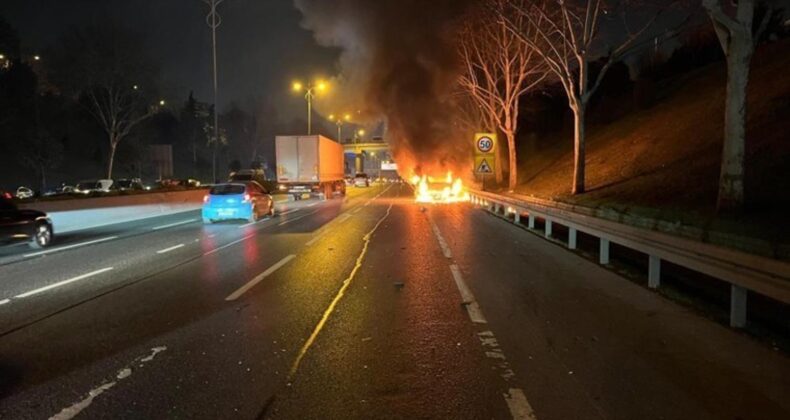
[741, 270]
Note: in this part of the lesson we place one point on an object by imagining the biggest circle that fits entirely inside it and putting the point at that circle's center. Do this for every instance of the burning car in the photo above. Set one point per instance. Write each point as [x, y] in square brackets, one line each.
[442, 190]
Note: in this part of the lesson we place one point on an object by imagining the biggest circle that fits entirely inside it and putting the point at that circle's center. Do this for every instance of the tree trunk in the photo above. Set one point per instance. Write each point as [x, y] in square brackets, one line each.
[731, 189]
[578, 148]
[498, 166]
[113, 146]
[512, 163]
[43, 179]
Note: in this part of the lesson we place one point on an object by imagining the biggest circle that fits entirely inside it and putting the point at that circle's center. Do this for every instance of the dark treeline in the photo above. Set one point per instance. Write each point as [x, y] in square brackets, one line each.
[91, 106]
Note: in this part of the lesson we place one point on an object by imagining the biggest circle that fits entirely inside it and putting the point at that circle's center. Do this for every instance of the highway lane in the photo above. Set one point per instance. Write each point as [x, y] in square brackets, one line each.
[99, 331]
[380, 309]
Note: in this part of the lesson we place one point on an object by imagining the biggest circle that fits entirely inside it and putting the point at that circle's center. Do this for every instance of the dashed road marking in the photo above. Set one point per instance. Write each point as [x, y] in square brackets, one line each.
[183, 222]
[172, 248]
[243, 289]
[440, 238]
[518, 405]
[475, 314]
[63, 248]
[4, 301]
[297, 218]
[62, 283]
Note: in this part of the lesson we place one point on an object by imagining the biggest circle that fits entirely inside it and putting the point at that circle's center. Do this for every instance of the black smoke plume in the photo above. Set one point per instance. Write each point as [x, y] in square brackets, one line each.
[399, 61]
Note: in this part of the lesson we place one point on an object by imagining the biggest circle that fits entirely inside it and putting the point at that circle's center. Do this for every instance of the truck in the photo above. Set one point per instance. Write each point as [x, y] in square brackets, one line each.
[309, 165]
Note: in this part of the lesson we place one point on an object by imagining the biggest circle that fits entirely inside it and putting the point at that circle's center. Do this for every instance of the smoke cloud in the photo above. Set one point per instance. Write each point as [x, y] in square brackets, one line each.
[398, 62]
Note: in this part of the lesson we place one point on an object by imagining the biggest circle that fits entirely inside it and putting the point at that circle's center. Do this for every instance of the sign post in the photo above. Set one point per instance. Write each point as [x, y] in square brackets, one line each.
[485, 155]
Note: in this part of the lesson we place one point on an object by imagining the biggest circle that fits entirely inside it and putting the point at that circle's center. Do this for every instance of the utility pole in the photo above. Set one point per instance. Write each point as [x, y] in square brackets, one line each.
[213, 20]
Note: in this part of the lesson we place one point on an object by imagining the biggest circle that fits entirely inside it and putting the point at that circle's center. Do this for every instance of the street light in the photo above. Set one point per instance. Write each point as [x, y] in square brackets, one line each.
[162, 102]
[339, 122]
[36, 57]
[213, 20]
[309, 93]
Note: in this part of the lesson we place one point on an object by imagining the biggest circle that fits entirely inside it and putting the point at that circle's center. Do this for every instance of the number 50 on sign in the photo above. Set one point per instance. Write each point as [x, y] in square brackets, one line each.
[485, 157]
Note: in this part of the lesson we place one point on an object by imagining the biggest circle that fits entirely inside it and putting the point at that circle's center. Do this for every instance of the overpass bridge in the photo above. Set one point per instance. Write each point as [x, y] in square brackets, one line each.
[366, 156]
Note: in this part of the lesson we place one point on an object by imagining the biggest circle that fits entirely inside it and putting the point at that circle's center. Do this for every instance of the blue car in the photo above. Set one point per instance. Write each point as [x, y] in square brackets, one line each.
[237, 200]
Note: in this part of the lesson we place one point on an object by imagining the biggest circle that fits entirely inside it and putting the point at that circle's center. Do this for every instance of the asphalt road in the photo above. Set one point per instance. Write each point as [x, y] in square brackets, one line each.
[364, 307]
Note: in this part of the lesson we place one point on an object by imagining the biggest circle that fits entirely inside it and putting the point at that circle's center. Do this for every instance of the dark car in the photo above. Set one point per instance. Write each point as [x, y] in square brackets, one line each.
[20, 225]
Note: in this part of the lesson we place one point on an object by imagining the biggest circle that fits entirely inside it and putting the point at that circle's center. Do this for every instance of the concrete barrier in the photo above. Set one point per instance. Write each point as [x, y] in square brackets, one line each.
[87, 213]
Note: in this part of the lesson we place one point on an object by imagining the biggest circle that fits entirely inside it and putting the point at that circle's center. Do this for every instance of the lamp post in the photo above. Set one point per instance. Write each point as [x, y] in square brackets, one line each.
[213, 20]
[309, 93]
[339, 123]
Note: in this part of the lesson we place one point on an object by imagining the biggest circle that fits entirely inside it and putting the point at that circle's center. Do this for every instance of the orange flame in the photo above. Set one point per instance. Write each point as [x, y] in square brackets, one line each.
[442, 191]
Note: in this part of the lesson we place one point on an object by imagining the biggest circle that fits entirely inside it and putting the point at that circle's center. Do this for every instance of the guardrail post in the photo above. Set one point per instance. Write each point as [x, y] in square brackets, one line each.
[517, 217]
[571, 238]
[548, 228]
[603, 253]
[531, 221]
[654, 272]
[737, 306]
[496, 208]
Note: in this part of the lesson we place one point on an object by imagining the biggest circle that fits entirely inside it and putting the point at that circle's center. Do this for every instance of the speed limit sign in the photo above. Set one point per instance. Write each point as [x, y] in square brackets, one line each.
[485, 145]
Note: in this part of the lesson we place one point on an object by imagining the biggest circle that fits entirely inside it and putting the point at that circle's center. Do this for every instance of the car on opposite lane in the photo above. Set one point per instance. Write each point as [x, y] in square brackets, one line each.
[237, 200]
[22, 225]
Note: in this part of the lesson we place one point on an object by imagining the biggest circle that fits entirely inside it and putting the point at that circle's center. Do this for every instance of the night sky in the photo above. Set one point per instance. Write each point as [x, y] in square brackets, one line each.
[261, 44]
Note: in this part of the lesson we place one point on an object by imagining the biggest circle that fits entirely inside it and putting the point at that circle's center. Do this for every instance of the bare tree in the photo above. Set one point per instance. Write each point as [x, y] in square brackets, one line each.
[107, 68]
[498, 70]
[738, 37]
[471, 118]
[567, 35]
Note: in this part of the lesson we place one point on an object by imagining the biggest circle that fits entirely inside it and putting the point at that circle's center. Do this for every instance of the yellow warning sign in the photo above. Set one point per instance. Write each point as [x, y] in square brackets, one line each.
[484, 165]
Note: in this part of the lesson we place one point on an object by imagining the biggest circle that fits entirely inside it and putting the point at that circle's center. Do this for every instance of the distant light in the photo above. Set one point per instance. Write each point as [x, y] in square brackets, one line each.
[162, 102]
[2, 57]
[296, 86]
[321, 86]
[331, 117]
[347, 117]
[135, 87]
[36, 57]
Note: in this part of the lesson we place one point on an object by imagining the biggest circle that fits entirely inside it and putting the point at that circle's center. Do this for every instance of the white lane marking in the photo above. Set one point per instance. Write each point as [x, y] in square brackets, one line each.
[183, 222]
[63, 248]
[227, 245]
[63, 283]
[343, 218]
[440, 238]
[357, 210]
[255, 223]
[4, 301]
[288, 212]
[312, 204]
[243, 289]
[475, 314]
[172, 248]
[297, 218]
[347, 282]
[518, 405]
[74, 409]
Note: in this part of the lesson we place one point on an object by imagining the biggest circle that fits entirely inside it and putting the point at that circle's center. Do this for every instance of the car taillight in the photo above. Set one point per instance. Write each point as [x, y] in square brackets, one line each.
[247, 198]
[205, 198]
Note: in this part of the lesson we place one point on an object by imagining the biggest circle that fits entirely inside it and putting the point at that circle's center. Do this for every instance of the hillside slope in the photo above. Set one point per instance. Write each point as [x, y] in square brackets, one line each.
[666, 159]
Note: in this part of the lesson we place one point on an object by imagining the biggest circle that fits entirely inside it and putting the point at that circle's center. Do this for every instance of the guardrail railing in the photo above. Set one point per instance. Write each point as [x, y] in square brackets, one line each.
[741, 270]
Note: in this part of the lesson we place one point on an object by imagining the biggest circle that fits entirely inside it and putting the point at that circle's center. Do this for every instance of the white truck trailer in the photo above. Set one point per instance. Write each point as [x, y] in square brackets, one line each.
[309, 165]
